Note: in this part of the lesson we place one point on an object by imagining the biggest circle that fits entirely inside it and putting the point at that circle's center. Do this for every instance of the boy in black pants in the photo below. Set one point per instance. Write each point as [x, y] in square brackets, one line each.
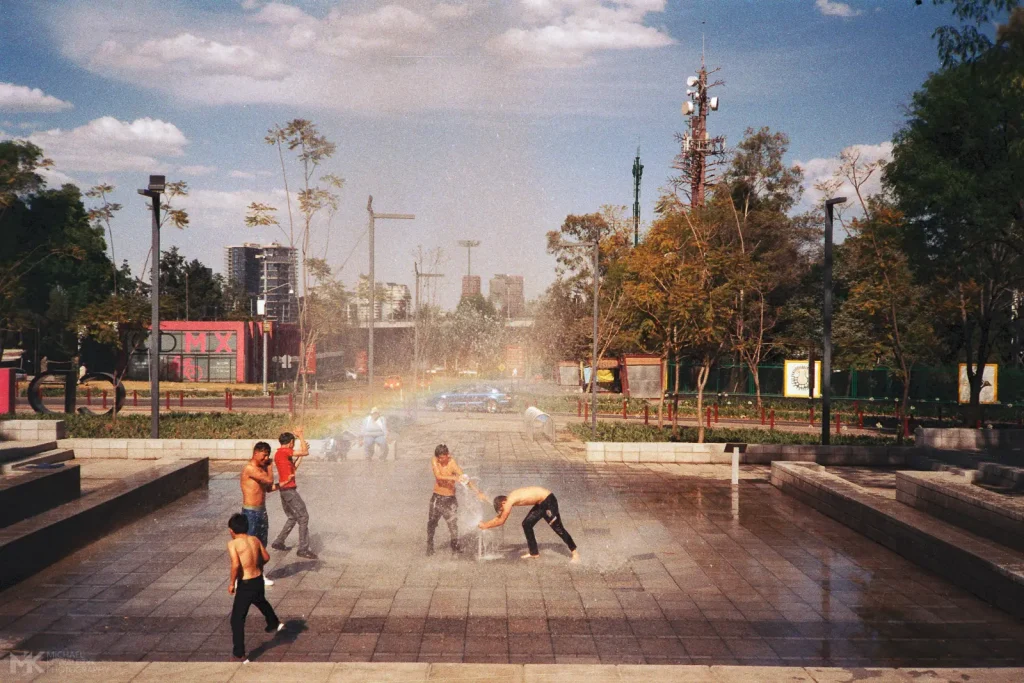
[545, 506]
[248, 555]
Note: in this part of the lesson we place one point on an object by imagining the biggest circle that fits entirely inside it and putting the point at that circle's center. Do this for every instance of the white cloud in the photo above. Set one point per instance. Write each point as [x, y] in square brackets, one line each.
[187, 53]
[242, 174]
[568, 32]
[107, 144]
[833, 8]
[197, 169]
[391, 28]
[822, 169]
[447, 11]
[22, 99]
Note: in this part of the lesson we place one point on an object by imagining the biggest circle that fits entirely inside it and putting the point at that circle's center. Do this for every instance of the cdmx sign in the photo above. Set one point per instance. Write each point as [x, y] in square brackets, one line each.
[70, 381]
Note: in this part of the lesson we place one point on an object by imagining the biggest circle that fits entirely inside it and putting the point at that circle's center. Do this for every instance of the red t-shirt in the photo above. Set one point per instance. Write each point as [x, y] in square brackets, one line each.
[285, 466]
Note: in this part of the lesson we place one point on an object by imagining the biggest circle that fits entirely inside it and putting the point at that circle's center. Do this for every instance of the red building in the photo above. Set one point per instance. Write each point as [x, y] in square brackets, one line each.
[215, 351]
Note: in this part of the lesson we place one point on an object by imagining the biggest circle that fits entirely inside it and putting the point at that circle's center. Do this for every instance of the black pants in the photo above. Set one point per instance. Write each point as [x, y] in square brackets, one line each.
[249, 592]
[447, 507]
[548, 509]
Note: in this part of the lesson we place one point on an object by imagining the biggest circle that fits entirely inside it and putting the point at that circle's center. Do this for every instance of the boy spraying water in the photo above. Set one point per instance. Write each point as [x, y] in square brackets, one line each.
[443, 503]
[545, 506]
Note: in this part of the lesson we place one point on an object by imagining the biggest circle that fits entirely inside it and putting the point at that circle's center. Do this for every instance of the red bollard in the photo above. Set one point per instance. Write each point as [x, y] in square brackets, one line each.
[586, 412]
[291, 403]
[181, 399]
[167, 399]
[647, 414]
[839, 424]
[316, 400]
[772, 419]
[272, 402]
[231, 400]
[708, 414]
[860, 420]
[762, 416]
[906, 426]
[227, 399]
[579, 408]
[88, 396]
[104, 400]
[978, 426]
[716, 413]
[135, 398]
[812, 415]
[625, 415]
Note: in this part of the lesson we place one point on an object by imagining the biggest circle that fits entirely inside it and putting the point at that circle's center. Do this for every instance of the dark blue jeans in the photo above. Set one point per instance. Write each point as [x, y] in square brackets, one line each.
[259, 523]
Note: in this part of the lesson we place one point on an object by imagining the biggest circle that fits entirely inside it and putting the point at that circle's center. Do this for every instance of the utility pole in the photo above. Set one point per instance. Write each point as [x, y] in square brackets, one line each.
[469, 244]
[826, 358]
[416, 338]
[697, 144]
[373, 286]
[156, 187]
[638, 171]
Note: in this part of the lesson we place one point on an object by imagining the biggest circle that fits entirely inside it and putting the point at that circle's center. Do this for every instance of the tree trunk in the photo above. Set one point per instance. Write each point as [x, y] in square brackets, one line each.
[702, 380]
[675, 404]
[903, 404]
[757, 384]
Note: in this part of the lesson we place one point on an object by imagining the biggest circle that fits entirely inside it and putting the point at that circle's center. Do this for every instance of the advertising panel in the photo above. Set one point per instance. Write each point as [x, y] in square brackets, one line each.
[797, 379]
[989, 384]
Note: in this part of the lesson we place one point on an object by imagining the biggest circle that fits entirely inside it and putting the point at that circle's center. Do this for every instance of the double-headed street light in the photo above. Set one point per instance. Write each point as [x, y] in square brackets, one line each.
[826, 360]
[595, 247]
[156, 187]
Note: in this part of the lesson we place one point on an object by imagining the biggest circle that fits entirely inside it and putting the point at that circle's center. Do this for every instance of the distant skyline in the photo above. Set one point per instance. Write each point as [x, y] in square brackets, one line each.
[488, 119]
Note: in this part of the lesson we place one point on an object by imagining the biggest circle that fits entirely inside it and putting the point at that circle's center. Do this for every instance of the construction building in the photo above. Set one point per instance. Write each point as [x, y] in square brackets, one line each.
[269, 276]
[506, 295]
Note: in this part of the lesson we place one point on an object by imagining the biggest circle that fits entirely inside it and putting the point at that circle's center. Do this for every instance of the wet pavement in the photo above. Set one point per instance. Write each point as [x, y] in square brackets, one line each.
[678, 568]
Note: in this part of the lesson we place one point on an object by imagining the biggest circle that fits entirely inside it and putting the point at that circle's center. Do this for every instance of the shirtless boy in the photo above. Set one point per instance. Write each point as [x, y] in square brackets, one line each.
[256, 481]
[443, 503]
[248, 556]
[544, 505]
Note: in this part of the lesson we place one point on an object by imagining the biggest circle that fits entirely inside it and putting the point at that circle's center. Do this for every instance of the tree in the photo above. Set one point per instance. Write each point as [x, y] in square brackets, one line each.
[102, 215]
[957, 175]
[966, 42]
[312, 149]
[188, 289]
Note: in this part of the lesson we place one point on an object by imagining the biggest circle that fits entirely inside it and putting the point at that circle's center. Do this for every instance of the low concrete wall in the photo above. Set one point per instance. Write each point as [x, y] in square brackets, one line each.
[32, 430]
[961, 439]
[955, 499]
[750, 454]
[27, 494]
[32, 544]
[154, 449]
[991, 572]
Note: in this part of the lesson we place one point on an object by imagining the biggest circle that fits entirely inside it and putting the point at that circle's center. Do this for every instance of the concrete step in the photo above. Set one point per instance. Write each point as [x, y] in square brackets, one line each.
[16, 450]
[51, 456]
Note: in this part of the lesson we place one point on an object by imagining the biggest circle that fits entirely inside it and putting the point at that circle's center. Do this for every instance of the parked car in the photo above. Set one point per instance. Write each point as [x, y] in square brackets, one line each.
[472, 398]
[393, 382]
[467, 373]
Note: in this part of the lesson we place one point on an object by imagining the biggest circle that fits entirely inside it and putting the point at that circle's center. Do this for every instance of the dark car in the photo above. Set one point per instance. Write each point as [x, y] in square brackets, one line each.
[472, 398]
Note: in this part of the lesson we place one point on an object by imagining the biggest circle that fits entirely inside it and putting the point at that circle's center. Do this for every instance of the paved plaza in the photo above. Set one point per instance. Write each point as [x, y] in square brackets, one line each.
[677, 568]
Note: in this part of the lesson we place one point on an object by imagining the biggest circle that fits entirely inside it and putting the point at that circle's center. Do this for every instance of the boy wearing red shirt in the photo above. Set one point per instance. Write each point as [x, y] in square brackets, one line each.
[291, 502]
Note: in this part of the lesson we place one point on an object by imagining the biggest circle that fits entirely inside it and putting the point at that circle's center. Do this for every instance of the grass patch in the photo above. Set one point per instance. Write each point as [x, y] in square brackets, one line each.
[625, 432]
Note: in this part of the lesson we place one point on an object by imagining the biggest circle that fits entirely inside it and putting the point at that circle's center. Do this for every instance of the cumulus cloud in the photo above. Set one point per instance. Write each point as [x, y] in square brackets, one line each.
[833, 8]
[187, 53]
[567, 32]
[107, 144]
[823, 169]
[20, 99]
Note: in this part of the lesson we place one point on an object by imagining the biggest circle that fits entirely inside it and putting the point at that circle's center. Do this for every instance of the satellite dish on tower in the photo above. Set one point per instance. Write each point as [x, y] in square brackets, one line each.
[714, 103]
[687, 108]
[691, 81]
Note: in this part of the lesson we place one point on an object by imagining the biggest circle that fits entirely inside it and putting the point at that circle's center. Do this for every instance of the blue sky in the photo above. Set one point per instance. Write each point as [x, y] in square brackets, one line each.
[488, 119]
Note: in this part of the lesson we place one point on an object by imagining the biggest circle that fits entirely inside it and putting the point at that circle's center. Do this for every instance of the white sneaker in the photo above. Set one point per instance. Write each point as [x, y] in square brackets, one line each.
[267, 582]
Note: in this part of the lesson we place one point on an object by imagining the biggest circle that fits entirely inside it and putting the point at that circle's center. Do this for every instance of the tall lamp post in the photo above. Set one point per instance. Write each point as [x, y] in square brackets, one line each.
[595, 253]
[373, 286]
[416, 339]
[156, 187]
[826, 359]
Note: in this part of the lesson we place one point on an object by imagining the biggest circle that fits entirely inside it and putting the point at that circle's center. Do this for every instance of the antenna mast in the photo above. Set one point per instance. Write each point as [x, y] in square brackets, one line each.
[697, 144]
[638, 171]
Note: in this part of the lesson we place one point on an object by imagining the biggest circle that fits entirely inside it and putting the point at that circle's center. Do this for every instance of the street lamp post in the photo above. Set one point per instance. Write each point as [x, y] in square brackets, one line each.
[416, 339]
[156, 187]
[373, 286]
[596, 250]
[826, 359]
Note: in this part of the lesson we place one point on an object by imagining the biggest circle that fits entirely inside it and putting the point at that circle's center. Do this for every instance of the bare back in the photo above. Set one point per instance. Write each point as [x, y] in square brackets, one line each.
[528, 495]
[250, 553]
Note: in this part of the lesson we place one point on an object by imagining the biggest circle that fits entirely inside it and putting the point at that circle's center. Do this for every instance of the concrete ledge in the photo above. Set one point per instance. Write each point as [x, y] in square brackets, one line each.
[155, 449]
[963, 439]
[19, 450]
[750, 454]
[27, 494]
[1003, 476]
[956, 500]
[32, 430]
[992, 572]
[32, 544]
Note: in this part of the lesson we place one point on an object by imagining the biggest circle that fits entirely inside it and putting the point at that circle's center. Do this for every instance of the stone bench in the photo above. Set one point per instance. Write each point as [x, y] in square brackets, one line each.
[26, 494]
[1001, 476]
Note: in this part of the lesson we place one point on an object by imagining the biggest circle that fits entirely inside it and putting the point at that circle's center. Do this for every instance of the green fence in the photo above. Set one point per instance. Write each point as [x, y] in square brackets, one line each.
[927, 383]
